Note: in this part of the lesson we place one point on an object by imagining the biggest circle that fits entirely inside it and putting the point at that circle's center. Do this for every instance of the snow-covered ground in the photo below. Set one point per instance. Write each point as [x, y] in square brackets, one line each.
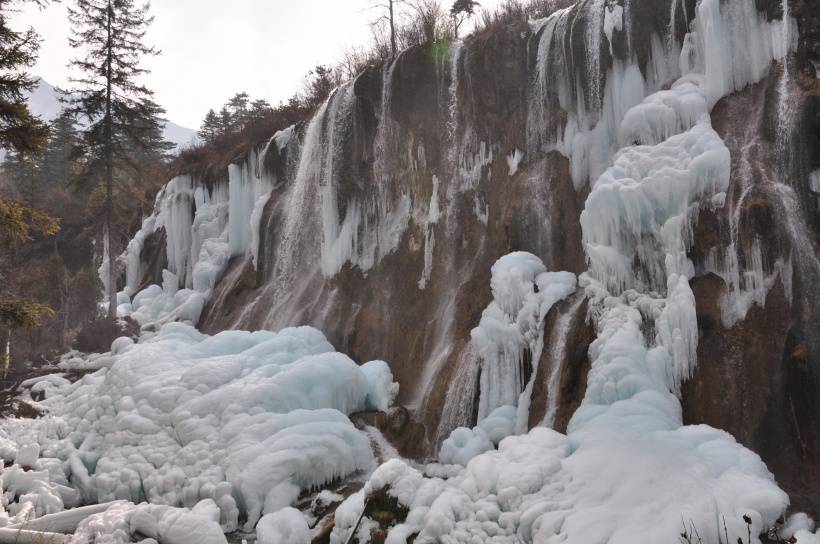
[225, 432]
[232, 426]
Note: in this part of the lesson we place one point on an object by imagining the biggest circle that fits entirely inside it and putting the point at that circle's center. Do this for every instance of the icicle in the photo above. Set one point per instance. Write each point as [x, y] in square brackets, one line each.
[430, 235]
[512, 325]
[613, 20]
[456, 54]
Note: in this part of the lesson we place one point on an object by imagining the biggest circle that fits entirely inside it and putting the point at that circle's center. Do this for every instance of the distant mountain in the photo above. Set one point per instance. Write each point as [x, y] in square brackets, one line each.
[44, 102]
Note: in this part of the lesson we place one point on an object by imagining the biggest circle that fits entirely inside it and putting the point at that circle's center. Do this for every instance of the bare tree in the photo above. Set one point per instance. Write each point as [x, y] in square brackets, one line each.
[389, 15]
[428, 22]
[354, 61]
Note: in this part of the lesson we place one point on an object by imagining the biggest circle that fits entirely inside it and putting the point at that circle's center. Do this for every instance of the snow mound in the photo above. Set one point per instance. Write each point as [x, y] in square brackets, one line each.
[121, 522]
[242, 420]
[381, 389]
[463, 444]
[286, 525]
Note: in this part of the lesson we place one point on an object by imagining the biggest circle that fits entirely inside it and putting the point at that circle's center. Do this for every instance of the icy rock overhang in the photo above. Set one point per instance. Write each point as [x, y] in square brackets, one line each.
[204, 226]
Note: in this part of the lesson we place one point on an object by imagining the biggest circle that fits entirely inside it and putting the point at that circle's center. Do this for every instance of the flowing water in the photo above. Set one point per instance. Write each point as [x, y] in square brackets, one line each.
[558, 353]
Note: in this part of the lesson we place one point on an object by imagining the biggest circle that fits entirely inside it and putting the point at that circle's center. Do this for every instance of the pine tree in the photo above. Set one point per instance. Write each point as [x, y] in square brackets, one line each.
[226, 120]
[211, 127]
[238, 106]
[19, 130]
[18, 224]
[319, 84]
[461, 11]
[23, 135]
[259, 109]
[22, 172]
[151, 144]
[60, 154]
[121, 114]
[147, 158]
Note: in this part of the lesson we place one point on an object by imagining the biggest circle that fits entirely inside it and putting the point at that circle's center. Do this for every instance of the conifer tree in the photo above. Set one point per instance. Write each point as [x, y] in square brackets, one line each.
[319, 84]
[18, 224]
[23, 135]
[60, 152]
[121, 115]
[259, 109]
[226, 121]
[461, 11]
[22, 172]
[19, 130]
[211, 127]
[238, 105]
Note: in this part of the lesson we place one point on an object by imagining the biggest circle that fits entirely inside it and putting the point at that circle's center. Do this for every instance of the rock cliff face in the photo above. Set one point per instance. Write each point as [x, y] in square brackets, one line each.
[757, 373]
[378, 220]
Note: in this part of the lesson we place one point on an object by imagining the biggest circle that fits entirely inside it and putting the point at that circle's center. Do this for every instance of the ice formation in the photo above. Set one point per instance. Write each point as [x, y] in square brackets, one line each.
[512, 328]
[204, 228]
[209, 429]
[433, 214]
[540, 486]
[627, 470]
[286, 525]
[513, 160]
[122, 522]
[463, 444]
[613, 20]
[240, 421]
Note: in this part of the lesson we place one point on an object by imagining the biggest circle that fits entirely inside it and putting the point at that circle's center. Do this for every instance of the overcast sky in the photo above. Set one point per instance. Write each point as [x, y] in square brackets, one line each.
[213, 49]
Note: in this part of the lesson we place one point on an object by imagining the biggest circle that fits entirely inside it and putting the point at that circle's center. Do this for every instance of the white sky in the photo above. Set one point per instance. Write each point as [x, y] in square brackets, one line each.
[213, 49]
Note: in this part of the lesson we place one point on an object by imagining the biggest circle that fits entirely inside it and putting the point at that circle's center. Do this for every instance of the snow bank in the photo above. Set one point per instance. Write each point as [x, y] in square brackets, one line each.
[381, 389]
[286, 525]
[463, 444]
[122, 522]
[241, 420]
[615, 488]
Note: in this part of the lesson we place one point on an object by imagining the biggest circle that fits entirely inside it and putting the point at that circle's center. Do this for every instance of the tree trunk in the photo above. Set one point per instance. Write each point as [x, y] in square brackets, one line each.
[392, 30]
[5, 350]
[109, 177]
[65, 307]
